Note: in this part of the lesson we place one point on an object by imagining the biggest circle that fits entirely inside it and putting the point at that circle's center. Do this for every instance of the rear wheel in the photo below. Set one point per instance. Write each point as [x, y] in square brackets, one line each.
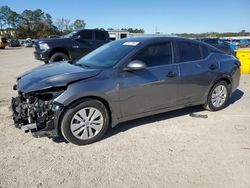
[59, 56]
[218, 96]
[85, 122]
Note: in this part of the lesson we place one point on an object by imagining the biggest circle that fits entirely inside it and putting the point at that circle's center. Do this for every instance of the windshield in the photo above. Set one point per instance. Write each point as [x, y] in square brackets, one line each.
[70, 34]
[107, 55]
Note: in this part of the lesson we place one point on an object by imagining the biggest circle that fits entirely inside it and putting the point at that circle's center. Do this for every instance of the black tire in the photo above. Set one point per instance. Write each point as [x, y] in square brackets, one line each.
[72, 110]
[2, 47]
[209, 105]
[59, 56]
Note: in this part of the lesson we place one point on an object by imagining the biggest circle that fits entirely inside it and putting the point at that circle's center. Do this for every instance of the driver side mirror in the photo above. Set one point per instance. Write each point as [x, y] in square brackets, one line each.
[136, 65]
[76, 37]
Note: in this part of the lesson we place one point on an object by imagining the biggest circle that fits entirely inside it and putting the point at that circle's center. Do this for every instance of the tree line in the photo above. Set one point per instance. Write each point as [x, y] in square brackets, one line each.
[35, 24]
[38, 24]
[213, 34]
[130, 30]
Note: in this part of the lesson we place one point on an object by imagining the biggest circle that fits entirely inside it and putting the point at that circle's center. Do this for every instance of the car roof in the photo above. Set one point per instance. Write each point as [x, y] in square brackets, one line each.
[153, 39]
[149, 39]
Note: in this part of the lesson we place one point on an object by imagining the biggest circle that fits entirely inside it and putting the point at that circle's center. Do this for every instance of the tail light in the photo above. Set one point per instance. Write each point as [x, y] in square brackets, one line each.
[238, 63]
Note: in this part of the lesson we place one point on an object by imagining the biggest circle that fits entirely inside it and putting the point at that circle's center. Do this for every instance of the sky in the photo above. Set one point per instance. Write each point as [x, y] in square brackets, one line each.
[176, 16]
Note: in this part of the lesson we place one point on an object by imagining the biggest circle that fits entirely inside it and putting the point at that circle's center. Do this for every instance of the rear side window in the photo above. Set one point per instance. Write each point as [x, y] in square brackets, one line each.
[86, 35]
[156, 55]
[100, 35]
[187, 51]
[204, 51]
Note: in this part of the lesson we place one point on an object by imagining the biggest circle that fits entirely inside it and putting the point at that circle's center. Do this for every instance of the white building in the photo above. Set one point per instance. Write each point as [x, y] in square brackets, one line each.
[118, 34]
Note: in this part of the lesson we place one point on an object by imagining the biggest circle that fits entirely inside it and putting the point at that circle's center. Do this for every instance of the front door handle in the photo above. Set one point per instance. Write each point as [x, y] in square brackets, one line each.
[213, 67]
[171, 74]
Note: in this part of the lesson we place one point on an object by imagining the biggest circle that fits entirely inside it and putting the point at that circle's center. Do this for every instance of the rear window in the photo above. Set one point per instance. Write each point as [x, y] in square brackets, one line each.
[100, 35]
[187, 51]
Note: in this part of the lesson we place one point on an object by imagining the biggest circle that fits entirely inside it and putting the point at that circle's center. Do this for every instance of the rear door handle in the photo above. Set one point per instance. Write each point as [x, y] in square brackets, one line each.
[171, 74]
[213, 67]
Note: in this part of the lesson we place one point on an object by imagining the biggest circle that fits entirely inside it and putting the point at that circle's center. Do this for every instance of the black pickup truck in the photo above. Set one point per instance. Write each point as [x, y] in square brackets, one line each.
[70, 47]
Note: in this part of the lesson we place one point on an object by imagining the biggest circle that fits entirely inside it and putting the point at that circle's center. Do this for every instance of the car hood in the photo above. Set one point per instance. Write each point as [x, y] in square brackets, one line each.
[53, 40]
[52, 75]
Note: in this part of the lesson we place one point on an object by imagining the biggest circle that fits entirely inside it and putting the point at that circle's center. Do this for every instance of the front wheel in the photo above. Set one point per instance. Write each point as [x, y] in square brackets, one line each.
[218, 96]
[59, 57]
[85, 122]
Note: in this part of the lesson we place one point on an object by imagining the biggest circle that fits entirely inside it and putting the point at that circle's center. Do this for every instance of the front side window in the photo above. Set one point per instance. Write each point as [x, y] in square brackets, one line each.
[188, 51]
[156, 55]
[86, 35]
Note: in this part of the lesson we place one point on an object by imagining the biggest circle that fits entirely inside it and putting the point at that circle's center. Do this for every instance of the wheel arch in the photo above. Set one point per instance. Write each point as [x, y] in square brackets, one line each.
[59, 49]
[225, 78]
[112, 117]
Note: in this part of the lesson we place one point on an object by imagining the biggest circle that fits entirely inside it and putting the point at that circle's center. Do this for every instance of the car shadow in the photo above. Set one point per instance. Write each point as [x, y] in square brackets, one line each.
[236, 95]
[125, 126]
[122, 127]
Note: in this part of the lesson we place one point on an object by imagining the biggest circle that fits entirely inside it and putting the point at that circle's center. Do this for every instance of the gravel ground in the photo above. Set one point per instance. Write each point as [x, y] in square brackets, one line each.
[166, 150]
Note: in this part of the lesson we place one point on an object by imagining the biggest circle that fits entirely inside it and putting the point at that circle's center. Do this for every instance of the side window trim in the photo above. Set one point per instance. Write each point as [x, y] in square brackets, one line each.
[203, 56]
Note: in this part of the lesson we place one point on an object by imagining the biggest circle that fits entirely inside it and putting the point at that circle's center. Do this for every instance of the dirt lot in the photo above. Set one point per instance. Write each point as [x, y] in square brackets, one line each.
[167, 150]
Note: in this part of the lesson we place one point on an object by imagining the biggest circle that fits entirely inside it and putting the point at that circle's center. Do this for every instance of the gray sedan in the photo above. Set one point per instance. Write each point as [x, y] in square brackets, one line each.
[121, 81]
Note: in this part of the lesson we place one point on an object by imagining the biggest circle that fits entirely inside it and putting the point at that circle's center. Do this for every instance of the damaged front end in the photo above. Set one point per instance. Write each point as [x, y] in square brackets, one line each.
[36, 112]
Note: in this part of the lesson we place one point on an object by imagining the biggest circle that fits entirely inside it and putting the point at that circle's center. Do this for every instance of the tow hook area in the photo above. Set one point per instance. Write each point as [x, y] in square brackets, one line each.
[34, 115]
[29, 127]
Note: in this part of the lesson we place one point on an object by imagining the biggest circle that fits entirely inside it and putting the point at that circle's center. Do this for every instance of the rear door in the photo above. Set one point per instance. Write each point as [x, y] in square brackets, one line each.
[151, 89]
[197, 70]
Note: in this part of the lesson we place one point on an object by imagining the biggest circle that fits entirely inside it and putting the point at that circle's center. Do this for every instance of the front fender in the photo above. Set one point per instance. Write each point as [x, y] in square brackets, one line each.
[104, 89]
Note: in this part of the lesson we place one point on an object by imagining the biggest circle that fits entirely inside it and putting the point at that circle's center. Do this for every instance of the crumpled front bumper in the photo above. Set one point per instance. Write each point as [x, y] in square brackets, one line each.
[26, 117]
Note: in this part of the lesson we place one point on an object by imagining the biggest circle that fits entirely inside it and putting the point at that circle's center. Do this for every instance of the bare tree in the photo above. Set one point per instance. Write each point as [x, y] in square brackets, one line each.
[63, 24]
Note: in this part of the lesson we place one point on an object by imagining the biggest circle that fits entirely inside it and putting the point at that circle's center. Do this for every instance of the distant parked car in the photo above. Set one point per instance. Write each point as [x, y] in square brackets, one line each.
[244, 43]
[3, 42]
[53, 36]
[28, 43]
[72, 46]
[233, 44]
[120, 81]
[14, 43]
[220, 44]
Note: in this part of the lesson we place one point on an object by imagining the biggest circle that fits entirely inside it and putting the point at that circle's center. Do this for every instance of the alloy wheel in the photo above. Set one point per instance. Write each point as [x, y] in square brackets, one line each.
[219, 96]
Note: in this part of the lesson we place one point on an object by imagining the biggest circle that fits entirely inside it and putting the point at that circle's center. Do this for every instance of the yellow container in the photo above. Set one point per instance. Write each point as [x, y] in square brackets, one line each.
[244, 56]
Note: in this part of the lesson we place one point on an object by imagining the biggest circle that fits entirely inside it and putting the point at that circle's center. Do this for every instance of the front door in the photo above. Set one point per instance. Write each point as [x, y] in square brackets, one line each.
[153, 88]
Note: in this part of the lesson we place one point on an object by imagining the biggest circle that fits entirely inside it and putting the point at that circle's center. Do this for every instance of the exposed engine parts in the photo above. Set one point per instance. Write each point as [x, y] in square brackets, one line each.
[33, 113]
